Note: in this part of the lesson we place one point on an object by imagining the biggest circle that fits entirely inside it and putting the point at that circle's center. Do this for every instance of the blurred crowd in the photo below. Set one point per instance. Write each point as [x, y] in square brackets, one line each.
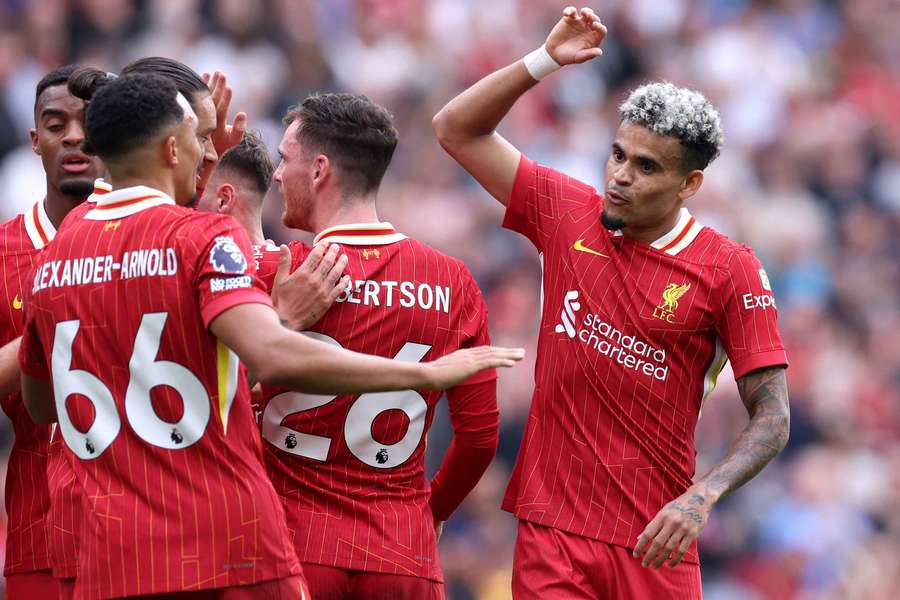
[809, 92]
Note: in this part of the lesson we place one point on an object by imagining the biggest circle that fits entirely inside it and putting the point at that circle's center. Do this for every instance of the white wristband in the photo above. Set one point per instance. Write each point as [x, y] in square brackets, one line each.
[540, 64]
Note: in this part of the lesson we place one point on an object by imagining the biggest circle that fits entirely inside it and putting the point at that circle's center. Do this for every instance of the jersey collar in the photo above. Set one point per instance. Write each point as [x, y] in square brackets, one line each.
[38, 225]
[681, 236]
[360, 234]
[127, 201]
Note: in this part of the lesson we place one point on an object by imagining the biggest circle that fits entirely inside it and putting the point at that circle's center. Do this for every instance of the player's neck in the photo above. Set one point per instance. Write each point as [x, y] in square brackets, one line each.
[160, 182]
[252, 222]
[650, 234]
[58, 205]
[357, 210]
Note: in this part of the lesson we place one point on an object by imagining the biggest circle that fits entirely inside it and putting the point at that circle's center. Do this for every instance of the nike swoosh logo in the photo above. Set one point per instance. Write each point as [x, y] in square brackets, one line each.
[582, 248]
[17, 303]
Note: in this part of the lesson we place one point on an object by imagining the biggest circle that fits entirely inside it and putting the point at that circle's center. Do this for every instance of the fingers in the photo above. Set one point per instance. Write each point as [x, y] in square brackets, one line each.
[339, 289]
[239, 126]
[328, 261]
[667, 547]
[284, 263]
[335, 273]
[683, 547]
[497, 357]
[650, 531]
[570, 13]
[313, 258]
[657, 544]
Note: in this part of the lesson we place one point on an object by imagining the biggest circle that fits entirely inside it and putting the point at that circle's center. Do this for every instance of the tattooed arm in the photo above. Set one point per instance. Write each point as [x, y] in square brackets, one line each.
[677, 525]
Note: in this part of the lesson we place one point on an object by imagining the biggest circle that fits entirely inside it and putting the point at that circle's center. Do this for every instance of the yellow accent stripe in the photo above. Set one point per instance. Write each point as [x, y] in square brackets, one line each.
[223, 359]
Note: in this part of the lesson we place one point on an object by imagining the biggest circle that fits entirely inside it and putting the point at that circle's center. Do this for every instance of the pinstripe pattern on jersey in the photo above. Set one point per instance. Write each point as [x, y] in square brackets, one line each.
[158, 520]
[607, 444]
[27, 498]
[342, 512]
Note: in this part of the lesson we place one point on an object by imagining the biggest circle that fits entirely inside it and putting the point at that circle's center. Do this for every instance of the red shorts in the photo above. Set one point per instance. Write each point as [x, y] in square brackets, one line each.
[332, 583]
[551, 564]
[32, 585]
[288, 588]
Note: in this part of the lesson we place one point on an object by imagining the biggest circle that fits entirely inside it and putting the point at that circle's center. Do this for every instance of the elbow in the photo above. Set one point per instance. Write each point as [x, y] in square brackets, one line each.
[784, 431]
[443, 128]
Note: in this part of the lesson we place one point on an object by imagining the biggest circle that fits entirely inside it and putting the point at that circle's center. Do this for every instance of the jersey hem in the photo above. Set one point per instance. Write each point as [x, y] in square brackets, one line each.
[772, 358]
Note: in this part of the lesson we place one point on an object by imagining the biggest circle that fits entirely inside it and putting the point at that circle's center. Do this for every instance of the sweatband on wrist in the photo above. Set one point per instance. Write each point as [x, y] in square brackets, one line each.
[539, 63]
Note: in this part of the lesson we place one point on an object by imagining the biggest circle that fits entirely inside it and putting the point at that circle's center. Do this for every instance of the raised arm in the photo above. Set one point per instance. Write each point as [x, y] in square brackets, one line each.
[466, 126]
[673, 530]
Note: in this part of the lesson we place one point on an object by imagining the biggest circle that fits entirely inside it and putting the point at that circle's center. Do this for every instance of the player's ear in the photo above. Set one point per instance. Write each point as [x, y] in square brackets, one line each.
[321, 170]
[170, 151]
[226, 198]
[34, 141]
[691, 184]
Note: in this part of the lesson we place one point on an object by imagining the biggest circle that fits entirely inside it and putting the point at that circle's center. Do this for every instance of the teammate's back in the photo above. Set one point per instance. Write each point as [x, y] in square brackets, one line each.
[156, 409]
[350, 470]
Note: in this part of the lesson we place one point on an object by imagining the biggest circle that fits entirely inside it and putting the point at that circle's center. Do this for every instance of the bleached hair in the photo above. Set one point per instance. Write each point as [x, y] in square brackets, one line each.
[681, 113]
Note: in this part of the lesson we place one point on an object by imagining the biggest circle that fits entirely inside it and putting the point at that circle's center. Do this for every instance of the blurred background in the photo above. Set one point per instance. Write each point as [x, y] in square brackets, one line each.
[809, 92]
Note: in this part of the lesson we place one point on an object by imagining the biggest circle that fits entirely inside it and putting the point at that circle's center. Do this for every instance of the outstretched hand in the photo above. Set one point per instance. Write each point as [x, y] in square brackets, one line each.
[456, 367]
[576, 37]
[226, 135]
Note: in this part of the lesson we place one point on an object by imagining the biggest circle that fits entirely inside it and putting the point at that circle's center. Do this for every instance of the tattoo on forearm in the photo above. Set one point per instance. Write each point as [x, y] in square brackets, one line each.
[764, 393]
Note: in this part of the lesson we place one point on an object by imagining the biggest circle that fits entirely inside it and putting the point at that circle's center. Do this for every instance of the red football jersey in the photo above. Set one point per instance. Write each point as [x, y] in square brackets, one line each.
[632, 338]
[155, 410]
[350, 470]
[64, 518]
[27, 499]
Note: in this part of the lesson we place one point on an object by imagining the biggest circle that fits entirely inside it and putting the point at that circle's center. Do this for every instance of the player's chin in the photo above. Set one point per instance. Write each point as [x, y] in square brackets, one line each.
[77, 186]
[612, 219]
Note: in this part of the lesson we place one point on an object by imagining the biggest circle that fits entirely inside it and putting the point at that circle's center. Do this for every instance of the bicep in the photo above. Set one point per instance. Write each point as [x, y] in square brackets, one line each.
[249, 330]
[490, 159]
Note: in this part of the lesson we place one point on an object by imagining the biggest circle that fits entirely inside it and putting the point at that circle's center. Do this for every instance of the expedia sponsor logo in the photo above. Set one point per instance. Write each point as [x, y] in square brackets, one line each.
[763, 301]
[595, 331]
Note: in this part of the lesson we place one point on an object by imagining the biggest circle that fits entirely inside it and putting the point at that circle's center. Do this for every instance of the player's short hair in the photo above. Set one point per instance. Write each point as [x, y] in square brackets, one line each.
[185, 78]
[58, 76]
[124, 112]
[356, 134]
[251, 160]
[681, 113]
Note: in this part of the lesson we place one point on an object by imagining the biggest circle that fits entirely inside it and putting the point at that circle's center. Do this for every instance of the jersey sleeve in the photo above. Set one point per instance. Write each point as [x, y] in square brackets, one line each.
[224, 272]
[476, 430]
[476, 314]
[540, 197]
[748, 320]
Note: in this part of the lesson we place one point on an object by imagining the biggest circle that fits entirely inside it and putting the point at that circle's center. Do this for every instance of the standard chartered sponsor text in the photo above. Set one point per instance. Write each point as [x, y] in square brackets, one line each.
[627, 350]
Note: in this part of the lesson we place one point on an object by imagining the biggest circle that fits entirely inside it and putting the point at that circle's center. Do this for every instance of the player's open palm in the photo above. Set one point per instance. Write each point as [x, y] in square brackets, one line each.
[576, 37]
[458, 366]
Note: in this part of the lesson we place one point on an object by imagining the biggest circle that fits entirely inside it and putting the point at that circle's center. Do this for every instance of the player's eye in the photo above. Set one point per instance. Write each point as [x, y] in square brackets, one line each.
[618, 155]
[55, 127]
[647, 168]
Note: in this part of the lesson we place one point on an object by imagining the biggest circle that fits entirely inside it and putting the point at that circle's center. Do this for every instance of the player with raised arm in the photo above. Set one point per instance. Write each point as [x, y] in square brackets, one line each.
[642, 306]
[350, 469]
[136, 327]
[57, 136]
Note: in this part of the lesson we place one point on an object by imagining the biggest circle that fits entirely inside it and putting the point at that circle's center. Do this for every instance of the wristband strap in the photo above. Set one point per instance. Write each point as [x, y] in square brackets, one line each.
[540, 64]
